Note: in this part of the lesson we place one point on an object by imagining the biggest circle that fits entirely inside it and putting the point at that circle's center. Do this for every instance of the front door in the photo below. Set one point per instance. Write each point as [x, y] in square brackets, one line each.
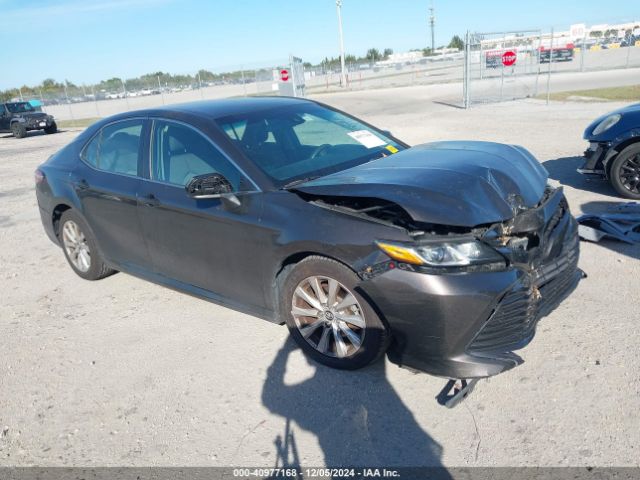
[213, 244]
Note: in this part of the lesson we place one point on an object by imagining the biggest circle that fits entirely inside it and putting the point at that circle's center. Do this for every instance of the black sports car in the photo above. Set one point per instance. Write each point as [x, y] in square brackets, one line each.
[445, 255]
[614, 150]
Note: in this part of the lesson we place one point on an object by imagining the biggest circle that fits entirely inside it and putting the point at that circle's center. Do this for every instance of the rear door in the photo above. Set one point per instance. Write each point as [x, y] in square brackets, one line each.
[214, 243]
[107, 183]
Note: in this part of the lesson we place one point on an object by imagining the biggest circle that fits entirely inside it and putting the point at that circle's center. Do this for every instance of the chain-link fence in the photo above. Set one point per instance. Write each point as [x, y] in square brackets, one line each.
[509, 65]
[67, 101]
[501, 66]
[493, 67]
[411, 68]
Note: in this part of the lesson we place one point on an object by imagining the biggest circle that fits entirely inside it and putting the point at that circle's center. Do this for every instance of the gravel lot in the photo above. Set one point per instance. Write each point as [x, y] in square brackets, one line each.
[124, 372]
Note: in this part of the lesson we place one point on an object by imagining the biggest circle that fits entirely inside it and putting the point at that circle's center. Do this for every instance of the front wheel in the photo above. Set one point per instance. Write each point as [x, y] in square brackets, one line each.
[53, 128]
[625, 172]
[328, 318]
[18, 130]
[80, 248]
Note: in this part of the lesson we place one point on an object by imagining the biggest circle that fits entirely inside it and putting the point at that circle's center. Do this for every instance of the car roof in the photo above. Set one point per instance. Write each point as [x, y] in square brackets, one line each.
[225, 107]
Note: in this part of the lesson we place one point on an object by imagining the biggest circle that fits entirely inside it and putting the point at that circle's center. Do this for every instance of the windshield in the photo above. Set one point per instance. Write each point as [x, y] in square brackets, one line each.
[20, 107]
[305, 141]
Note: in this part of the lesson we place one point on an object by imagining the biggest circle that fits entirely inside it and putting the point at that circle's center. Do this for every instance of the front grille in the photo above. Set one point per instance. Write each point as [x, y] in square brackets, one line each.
[513, 322]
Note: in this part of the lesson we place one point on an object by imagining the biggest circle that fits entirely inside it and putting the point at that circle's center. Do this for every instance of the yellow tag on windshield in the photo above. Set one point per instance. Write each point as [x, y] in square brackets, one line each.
[391, 148]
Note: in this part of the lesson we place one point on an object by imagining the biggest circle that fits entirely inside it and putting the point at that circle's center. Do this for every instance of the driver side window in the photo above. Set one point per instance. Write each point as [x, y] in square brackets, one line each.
[180, 153]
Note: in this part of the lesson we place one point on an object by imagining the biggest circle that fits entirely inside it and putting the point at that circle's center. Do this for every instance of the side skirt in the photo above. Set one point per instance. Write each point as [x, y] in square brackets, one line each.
[197, 292]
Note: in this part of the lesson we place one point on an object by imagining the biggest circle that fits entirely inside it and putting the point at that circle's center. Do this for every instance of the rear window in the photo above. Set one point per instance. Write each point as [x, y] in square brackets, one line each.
[116, 148]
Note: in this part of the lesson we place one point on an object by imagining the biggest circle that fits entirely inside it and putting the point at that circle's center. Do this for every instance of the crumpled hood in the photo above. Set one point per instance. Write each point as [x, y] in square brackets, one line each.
[459, 183]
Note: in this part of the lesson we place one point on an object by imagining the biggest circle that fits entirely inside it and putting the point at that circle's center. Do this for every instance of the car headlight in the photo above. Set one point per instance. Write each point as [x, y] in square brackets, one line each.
[607, 123]
[445, 254]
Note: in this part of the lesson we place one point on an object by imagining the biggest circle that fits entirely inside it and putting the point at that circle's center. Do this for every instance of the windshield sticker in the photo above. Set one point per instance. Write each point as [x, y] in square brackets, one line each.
[366, 138]
[391, 148]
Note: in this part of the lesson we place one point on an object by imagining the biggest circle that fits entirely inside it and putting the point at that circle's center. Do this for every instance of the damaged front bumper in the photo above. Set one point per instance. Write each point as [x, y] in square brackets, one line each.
[595, 157]
[467, 325]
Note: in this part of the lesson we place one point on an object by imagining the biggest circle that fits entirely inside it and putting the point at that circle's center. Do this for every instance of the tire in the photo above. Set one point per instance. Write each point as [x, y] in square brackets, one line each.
[18, 130]
[82, 253]
[53, 128]
[357, 344]
[624, 173]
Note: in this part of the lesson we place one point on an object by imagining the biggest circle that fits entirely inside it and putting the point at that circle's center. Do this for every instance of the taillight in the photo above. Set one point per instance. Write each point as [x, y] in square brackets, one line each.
[38, 176]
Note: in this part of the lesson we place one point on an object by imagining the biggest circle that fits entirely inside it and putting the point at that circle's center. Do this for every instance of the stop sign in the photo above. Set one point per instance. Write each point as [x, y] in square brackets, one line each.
[508, 58]
[284, 75]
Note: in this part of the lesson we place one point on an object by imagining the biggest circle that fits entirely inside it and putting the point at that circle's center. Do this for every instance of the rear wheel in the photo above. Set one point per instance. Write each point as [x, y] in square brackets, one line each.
[53, 128]
[625, 172]
[19, 130]
[328, 318]
[80, 248]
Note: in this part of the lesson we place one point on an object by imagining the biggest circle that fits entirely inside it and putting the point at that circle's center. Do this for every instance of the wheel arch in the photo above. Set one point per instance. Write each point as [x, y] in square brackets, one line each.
[616, 149]
[295, 258]
[56, 214]
[287, 264]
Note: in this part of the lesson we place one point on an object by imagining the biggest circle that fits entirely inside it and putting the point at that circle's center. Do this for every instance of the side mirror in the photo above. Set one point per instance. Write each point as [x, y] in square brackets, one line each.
[387, 133]
[210, 185]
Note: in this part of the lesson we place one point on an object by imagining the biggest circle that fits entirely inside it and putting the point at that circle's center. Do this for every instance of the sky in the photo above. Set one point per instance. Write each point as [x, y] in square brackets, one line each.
[88, 41]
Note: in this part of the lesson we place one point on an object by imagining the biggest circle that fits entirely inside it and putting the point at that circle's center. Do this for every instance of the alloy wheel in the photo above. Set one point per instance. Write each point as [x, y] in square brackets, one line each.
[76, 246]
[328, 316]
[630, 174]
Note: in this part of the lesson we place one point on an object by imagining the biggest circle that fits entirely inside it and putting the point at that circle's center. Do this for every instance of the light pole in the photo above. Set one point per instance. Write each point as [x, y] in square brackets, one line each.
[432, 23]
[343, 74]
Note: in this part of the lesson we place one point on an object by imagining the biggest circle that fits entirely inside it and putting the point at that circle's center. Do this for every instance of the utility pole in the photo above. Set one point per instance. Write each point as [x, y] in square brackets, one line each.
[432, 24]
[343, 74]
[124, 90]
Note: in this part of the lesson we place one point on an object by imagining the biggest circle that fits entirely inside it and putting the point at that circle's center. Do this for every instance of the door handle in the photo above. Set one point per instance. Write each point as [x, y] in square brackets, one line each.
[82, 184]
[150, 201]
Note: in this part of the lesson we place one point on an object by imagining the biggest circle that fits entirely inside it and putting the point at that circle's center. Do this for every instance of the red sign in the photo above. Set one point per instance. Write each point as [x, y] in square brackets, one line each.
[508, 58]
[284, 75]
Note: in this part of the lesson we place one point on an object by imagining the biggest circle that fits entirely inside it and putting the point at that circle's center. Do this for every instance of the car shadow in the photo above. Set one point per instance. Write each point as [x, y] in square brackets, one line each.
[622, 248]
[357, 417]
[564, 170]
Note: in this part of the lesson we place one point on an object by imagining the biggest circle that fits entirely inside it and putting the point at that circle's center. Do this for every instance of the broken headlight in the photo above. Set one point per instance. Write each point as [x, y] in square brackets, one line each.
[445, 254]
